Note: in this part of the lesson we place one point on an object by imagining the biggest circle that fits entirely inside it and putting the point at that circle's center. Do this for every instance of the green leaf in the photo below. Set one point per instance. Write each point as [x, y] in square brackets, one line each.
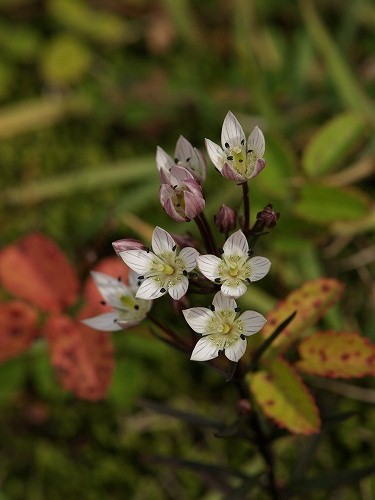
[337, 354]
[326, 204]
[284, 398]
[311, 302]
[332, 143]
[337, 66]
[280, 166]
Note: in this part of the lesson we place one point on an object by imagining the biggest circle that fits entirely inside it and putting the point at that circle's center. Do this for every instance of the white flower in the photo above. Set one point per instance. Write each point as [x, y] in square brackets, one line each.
[185, 156]
[164, 270]
[235, 269]
[238, 160]
[222, 329]
[127, 310]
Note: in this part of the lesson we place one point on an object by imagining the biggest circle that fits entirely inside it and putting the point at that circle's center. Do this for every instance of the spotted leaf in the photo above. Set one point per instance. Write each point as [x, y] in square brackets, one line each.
[18, 328]
[284, 398]
[311, 302]
[82, 357]
[337, 354]
[36, 270]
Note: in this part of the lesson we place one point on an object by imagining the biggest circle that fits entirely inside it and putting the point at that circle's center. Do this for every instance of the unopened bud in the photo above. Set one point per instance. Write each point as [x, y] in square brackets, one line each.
[127, 244]
[226, 219]
[185, 240]
[267, 218]
[244, 407]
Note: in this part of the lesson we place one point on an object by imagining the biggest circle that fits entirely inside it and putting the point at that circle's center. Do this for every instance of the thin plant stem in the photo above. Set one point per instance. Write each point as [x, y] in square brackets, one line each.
[206, 233]
[246, 208]
[174, 339]
[261, 441]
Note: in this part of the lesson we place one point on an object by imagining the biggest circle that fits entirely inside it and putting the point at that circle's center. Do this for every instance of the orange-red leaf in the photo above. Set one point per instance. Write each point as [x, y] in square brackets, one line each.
[35, 269]
[18, 328]
[311, 302]
[82, 357]
[113, 266]
[284, 398]
[337, 355]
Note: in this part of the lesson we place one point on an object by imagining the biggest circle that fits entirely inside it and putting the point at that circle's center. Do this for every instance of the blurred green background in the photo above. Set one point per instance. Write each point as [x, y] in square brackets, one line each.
[88, 89]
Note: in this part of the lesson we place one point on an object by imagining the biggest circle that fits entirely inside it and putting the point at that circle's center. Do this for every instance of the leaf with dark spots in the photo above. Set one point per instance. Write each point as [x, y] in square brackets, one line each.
[82, 358]
[311, 302]
[337, 355]
[18, 328]
[284, 398]
[36, 270]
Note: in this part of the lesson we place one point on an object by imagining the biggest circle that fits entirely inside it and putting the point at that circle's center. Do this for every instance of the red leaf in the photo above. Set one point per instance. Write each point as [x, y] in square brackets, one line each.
[18, 328]
[35, 269]
[113, 266]
[337, 354]
[82, 357]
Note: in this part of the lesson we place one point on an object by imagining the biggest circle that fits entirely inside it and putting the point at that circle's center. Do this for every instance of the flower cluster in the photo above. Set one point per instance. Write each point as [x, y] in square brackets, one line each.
[168, 268]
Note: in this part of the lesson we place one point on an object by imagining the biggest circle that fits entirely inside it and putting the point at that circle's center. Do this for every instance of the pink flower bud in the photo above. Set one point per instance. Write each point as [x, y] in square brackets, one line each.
[182, 199]
[226, 219]
[127, 244]
[267, 218]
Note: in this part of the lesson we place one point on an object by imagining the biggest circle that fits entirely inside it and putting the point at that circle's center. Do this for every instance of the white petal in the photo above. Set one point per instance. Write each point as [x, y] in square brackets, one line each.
[110, 288]
[236, 350]
[197, 318]
[106, 322]
[179, 289]
[163, 160]
[233, 291]
[133, 281]
[259, 268]
[209, 266]
[162, 241]
[150, 290]
[138, 260]
[256, 142]
[204, 350]
[215, 153]
[252, 322]
[184, 151]
[223, 302]
[201, 170]
[236, 244]
[189, 257]
[232, 132]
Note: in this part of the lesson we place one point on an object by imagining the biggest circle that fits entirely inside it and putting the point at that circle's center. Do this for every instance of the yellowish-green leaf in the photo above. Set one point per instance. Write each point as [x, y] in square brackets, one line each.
[99, 25]
[326, 204]
[284, 398]
[337, 355]
[65, 60]
[311, 302]
[332, 143]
